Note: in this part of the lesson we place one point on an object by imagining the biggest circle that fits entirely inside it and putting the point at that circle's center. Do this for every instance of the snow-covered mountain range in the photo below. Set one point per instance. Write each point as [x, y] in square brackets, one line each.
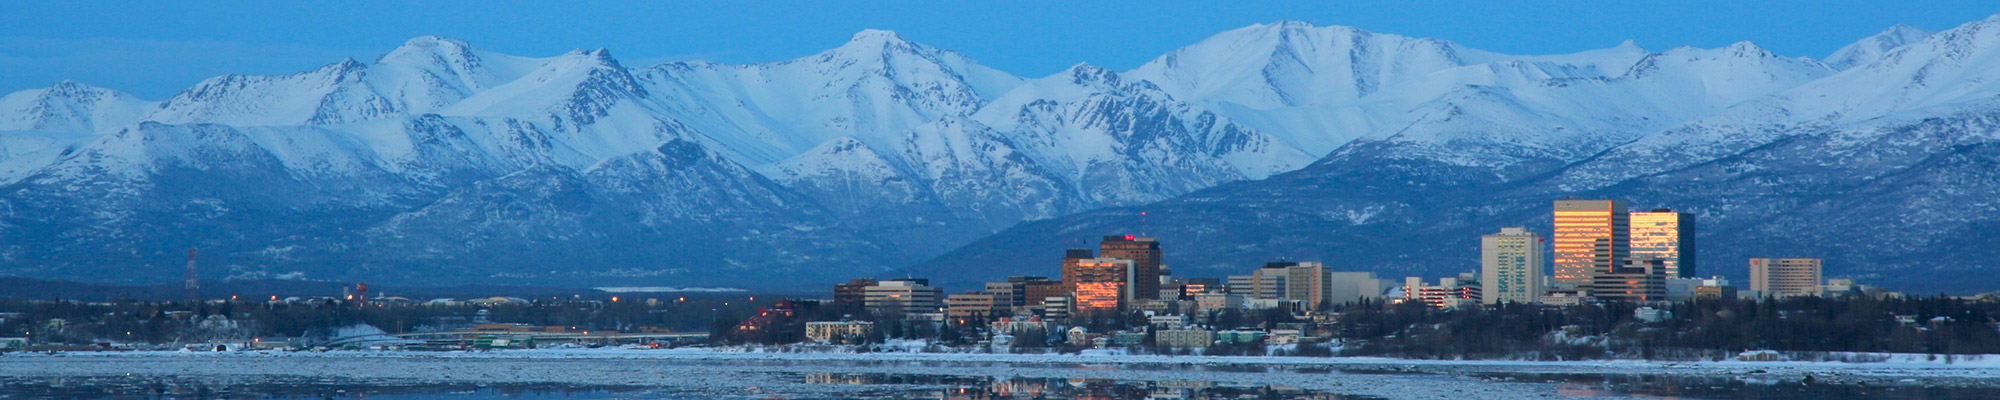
[1884, 161]
[440, 162]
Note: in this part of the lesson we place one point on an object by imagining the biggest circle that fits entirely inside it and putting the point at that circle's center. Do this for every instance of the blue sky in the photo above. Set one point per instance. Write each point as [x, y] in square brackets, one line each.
[155, 49]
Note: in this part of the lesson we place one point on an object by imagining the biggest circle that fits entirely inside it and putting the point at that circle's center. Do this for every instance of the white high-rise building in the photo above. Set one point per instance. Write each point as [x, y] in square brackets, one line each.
[1782, 277]
[1511, 266]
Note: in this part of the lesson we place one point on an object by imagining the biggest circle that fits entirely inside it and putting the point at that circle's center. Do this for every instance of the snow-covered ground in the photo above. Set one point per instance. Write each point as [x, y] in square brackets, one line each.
[735, 372]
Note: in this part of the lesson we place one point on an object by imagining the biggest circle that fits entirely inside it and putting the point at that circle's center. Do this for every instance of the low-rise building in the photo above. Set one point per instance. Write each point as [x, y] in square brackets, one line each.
[1450, 292]
[1021, 327]
[1294, 306]
[1639, 279]
[1758, 355]
[1077, 336]
[1193, 338]
[1127, 339]
[980, 306]
[1649, 314]
[1682, 289]
[902, 296]
[1239, 337]
[1847, 288]
[1211, 302]
[1168, 321]
[839, 331]
[1282, 337]
[1056, 308]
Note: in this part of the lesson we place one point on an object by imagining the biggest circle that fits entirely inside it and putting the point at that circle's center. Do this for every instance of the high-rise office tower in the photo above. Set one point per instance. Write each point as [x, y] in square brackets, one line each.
[1591, 236]
[1510, 266]
[1145, 255]
[1782, 277]
[1668, 236]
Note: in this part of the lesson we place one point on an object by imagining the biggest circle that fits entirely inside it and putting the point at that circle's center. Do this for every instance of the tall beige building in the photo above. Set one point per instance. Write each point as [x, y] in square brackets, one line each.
[1591, 236]
[1782, 277]
[1308, 282]
[1510, 266]
[1668, 236]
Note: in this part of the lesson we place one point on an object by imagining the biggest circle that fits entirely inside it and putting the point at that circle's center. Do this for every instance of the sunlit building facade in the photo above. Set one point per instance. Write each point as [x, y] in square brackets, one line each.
[1668, 236]
[1102, 284]
[1098, 297]
[1591, 236]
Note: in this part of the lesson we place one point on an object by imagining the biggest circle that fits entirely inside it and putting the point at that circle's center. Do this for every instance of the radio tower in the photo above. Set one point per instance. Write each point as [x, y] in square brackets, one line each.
[192, 287]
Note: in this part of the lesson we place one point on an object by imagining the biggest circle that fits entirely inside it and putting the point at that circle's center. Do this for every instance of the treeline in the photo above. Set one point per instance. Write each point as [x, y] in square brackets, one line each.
[127, 321]
[1706, 329]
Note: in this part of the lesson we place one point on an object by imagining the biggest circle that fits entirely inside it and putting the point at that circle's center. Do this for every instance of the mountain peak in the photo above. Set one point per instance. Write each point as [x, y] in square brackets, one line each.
[346, 65]
[1747, 48]
[876, 35]
[1873, 47]
[69, 86]
[599, 55]
[1090, 75]
[1907, 29]
[428, 51]
[876, 43]
[1291, 24]
[870, 43]
[434, 42]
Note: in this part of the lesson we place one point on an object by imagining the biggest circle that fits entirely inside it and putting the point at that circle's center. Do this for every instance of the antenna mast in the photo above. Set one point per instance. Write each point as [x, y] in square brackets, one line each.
[192, 286]
[1143, 225]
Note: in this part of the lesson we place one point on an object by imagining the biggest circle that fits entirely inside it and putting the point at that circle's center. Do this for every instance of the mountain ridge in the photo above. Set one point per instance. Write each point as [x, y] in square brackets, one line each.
[440, 160]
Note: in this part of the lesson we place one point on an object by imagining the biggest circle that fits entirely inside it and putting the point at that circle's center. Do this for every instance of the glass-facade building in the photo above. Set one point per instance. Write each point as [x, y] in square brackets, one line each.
[1668, 236]
[1591, 236]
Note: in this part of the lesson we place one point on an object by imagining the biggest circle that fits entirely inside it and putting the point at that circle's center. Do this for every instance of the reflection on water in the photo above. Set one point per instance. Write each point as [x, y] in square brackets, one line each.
[974, 388]
[1749, 385]
[129, 388]
[815, 386]
[962, 380]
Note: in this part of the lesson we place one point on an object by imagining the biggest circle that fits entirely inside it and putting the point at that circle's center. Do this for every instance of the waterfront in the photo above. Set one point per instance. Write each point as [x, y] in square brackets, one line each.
[622, 374]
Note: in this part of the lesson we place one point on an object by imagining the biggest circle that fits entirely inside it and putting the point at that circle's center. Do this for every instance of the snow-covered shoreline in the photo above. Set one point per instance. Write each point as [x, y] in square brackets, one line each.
[1972, 365]
[697, 370]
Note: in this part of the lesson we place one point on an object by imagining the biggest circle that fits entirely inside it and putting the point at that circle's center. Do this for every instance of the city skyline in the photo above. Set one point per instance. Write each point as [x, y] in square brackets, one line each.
[1039, 199]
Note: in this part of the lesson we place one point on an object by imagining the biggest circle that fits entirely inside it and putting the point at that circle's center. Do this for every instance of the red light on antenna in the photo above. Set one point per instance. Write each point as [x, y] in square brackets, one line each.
[1142, 213]
[1131, 238]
